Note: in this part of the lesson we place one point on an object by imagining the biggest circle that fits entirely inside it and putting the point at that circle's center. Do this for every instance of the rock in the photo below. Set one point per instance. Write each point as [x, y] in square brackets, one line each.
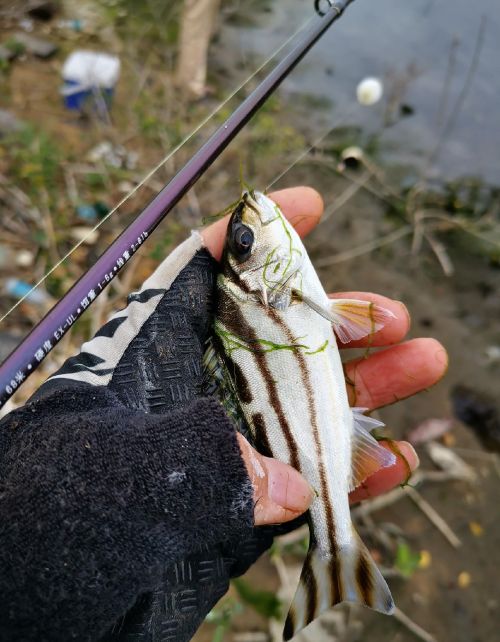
[36, 46]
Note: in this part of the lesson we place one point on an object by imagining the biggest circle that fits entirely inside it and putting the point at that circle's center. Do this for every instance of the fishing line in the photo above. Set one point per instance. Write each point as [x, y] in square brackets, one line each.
[162, 162]
[33, 349]
[303, 154]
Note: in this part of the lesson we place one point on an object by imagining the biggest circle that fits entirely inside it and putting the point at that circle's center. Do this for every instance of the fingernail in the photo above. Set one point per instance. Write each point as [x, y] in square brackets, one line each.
[287, 488]
[406, 312]
[442, 358]
[411, 455]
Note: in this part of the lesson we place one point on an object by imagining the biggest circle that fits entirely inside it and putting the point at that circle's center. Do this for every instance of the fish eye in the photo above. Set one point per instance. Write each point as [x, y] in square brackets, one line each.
[244, 238]
[242, 241]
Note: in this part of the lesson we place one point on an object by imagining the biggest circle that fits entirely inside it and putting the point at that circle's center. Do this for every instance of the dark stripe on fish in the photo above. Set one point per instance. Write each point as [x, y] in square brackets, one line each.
[336, 587]
[231, 275]
[364, 579]
[261, 441]
[306, 380]
[230, 316]
[289, 630]
[240, 381]
[311, 591]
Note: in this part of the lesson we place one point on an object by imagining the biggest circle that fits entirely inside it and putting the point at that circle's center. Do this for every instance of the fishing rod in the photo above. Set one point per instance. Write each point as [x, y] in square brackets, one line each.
[24, 360]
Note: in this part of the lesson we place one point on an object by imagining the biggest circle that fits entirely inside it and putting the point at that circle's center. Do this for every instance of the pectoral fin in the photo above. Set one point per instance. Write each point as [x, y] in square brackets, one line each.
[352, 319]
[368, 455]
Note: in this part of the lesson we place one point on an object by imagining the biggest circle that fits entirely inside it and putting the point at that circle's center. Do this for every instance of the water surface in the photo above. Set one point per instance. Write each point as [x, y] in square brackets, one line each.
[424, 47]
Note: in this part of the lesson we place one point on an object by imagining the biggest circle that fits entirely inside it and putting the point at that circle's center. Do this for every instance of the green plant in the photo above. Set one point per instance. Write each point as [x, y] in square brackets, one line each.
[35, 159]
[406, 560]
[264, 602]
[150, 21]
[222, 618]
[14, 46]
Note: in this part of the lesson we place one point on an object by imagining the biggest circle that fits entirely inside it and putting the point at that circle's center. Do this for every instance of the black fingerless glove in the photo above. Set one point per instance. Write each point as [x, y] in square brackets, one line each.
[125, 505]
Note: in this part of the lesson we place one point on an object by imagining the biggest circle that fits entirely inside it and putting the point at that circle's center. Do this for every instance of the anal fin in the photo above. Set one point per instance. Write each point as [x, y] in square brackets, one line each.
[368, 455]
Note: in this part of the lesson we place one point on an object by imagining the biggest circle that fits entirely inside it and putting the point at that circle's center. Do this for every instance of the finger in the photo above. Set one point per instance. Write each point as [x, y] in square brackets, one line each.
[395, 328]
[302, 206]
[393, 374]
[280, 492]
[388, 478]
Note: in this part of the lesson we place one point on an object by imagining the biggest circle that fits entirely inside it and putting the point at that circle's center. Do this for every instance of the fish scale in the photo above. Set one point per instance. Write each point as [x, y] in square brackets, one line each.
[275, 335]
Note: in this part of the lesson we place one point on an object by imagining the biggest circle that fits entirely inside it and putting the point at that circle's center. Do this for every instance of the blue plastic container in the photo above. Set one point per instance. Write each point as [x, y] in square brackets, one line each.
[89, 78]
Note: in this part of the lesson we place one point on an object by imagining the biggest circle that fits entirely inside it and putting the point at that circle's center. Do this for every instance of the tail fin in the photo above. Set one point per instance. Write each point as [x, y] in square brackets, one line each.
[351, 576]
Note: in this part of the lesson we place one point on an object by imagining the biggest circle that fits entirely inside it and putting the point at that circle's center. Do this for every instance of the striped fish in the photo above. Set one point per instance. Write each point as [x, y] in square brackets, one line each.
[275, 328]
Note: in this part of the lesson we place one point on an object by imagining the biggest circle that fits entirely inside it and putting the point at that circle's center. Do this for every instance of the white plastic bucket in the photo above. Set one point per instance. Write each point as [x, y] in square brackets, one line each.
[86, 74]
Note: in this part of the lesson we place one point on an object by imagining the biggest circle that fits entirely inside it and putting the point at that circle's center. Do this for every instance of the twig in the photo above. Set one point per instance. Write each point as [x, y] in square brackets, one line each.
[417, 630]
[433, 516]
[393, 496]
[493, 458]
[441, 254]
[379, 174]
[325, 162]
[476, 454]
[365, 248]
[378, 503]
[313, 147]
[346, 196]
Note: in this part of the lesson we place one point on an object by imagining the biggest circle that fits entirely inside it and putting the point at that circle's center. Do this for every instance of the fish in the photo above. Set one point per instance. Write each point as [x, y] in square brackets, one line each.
[276, 331]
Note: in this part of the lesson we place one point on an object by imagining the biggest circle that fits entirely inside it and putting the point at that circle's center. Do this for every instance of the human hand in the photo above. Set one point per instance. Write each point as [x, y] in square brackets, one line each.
[280, 492]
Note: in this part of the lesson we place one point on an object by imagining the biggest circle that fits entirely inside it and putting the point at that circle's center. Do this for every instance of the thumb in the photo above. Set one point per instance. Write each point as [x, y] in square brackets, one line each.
[280, 492]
